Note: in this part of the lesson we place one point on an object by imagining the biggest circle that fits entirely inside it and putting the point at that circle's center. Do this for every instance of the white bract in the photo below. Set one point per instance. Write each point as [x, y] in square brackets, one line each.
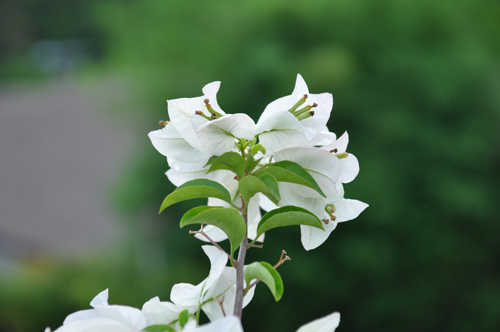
[283, 124]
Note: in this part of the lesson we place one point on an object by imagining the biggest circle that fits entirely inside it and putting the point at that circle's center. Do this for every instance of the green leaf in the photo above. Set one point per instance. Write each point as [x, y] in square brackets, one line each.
[268, 275]
[183, 317]
[257, 148]
[159, 328]
[210, 161]
[288, 171]
[197, 188]
[287, 216]
[230, 160]
[252, 163]
[266, 184]
[229, 220]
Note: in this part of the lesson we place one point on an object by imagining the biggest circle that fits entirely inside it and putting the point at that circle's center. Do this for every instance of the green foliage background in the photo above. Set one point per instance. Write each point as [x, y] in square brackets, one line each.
[415, 83]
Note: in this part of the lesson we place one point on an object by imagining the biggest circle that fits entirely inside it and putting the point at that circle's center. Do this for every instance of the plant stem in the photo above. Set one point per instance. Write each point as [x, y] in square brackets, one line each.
[240, 269]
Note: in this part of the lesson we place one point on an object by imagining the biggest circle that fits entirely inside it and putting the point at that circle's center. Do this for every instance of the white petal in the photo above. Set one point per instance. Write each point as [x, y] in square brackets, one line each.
[254, 217]
[96, 325]
[282, 130]
[157, 312]
[171, 144]
[323, 166]
[189, 295]
[101, 299]
[266, 204]
[348, 209]
[292, 194]
[283, 104]
[326, 324]
[225, 291]
[191, 171]
[215, 234]
[340, 144]
[218, 136]
[180, 112]
[312, 237]
[125, 315]
[349, 168]
[210, 92]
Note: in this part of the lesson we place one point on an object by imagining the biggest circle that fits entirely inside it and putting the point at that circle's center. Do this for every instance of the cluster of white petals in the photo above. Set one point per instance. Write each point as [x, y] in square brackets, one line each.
[214, 295]
[291, 128]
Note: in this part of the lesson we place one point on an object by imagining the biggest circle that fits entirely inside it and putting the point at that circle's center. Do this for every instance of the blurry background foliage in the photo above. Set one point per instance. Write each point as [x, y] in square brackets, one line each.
[415, 83]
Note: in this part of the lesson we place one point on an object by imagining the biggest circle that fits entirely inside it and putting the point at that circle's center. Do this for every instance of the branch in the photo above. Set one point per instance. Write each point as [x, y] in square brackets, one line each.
[211, 241]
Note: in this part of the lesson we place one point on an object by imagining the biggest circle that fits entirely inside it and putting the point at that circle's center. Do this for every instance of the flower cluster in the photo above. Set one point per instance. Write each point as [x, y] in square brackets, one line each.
[291, 128]
[288, 164]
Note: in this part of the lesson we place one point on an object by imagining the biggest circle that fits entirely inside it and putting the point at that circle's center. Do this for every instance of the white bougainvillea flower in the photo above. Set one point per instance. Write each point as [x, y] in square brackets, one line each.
[310, 113]
[104, 317]
[205, 126]
[218, 136]
[157, 312]
[339, 209]
[192, 297]
[348, 162]
[225, 292]
[325, 324]
[323, 166]
[172, 145]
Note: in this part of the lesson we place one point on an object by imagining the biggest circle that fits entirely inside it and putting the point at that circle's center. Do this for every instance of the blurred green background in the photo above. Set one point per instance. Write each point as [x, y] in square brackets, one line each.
[415, 83]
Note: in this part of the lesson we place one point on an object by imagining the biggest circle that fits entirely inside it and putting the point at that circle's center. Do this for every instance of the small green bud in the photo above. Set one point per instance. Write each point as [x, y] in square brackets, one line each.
[341, 155]
[330, 208]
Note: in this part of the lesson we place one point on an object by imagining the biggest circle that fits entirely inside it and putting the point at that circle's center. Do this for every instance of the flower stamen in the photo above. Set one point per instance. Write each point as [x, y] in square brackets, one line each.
[200, 113]
[297, 104]
[215, 114]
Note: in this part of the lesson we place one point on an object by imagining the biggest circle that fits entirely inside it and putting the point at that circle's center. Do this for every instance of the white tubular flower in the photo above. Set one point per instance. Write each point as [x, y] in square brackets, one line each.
[325, 324]
[205, 126]
[192, 297]
[104, 317]
[310, 113]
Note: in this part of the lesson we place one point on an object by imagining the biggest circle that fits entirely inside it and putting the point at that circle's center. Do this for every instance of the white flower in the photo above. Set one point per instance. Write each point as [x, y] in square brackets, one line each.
[220, 284]
[172, 145]
[205, 126]
[326, 169]
[280, 126]
[104, 317]
[349, 164]
[325, 324]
